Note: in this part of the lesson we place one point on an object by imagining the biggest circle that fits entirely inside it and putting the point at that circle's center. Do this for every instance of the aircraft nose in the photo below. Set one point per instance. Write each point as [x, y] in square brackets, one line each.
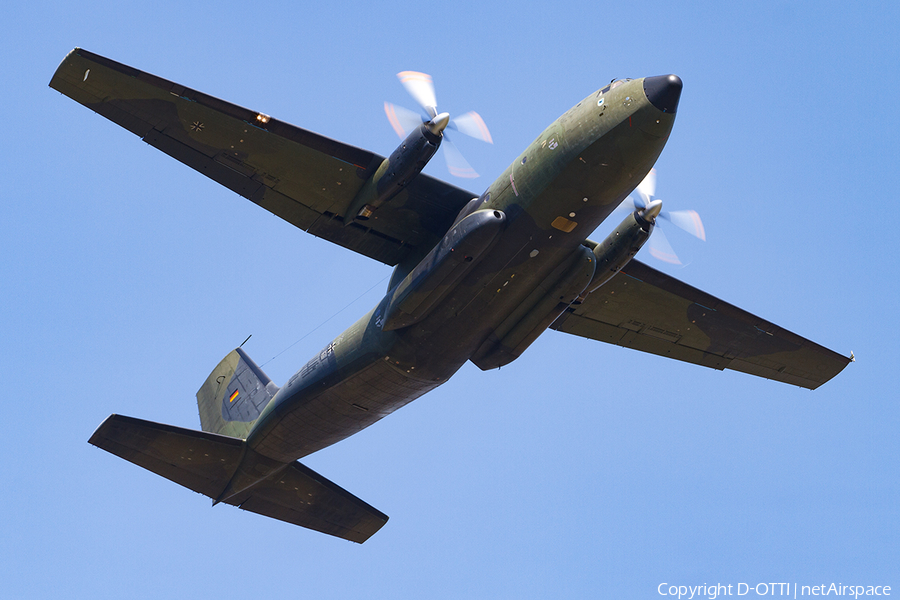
[663, 92]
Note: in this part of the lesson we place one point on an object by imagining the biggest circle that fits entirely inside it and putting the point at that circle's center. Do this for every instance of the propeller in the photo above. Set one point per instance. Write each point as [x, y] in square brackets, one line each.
[644, 198]
[421, 87]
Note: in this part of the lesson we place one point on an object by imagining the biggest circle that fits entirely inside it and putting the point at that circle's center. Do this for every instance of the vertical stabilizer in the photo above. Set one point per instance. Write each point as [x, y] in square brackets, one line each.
[234, 395]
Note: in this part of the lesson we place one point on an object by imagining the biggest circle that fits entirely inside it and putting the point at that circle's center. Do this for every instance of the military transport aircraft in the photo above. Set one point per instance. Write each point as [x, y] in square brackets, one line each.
[476, 278]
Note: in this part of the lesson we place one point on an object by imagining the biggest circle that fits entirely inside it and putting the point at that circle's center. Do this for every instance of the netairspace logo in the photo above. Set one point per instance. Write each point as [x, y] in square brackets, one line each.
[793, 590]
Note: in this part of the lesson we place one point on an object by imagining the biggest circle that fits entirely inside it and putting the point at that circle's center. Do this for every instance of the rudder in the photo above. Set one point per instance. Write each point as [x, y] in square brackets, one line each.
[234, 395]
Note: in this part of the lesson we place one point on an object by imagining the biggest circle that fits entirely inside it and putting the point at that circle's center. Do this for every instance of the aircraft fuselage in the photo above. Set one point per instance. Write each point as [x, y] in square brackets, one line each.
[489, 305]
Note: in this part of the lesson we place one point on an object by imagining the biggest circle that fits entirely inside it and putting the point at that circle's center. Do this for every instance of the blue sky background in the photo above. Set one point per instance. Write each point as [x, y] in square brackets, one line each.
[580, 470]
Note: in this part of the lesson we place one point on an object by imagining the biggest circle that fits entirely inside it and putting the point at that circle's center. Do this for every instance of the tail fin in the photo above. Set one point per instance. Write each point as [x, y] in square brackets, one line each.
[234, 395]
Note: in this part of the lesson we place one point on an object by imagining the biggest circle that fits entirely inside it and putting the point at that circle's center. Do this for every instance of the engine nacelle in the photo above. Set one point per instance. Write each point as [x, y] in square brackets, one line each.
[618, 248]
[397, 170]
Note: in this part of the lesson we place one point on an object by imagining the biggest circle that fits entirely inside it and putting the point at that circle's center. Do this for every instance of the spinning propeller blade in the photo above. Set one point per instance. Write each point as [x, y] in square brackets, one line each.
[402, 119]
[646, 189]
[456, 164]
[472, 125]
[688, 220]
[661, 249]
[421, 87]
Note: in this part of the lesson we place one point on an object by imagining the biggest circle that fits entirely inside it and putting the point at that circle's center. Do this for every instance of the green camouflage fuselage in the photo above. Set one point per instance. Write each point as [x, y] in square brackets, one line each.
[489, 310]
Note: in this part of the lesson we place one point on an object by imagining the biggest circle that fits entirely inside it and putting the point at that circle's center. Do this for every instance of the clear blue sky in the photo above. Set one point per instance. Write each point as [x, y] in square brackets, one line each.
[581, 470]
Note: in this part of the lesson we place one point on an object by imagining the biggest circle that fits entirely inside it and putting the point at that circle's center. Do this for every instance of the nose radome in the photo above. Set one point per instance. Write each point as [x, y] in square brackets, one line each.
[663, 92]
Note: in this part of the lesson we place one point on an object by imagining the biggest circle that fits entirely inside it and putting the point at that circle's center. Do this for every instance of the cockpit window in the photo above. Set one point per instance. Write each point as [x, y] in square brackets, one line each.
[613, 85]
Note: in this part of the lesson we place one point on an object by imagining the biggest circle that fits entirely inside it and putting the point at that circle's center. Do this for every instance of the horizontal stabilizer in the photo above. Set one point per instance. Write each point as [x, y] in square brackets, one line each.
[301, 496]
[206, 462]
[200, 461]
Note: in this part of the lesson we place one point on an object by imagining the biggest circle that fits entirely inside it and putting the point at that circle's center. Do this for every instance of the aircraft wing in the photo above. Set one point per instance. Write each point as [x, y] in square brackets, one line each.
[647, 310]
[304, 178]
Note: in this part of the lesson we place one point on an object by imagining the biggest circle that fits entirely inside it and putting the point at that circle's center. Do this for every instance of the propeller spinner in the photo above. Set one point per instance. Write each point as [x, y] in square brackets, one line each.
[421, 87]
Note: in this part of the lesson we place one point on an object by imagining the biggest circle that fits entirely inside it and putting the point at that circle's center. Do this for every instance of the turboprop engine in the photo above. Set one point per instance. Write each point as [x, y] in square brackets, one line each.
[421, 140]
[622, 244]
[399, 168]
